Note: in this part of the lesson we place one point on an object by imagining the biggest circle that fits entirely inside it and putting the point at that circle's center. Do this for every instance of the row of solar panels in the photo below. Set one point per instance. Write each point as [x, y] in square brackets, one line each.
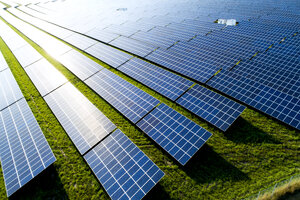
[127, 171]
[24, 151]
[208, 105]
[197, 59]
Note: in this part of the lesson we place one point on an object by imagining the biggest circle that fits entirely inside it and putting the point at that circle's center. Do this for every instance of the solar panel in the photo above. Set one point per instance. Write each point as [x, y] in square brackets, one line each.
[24, 151]
[270, 101]
[101, 35]
[160, 80]
[79, 64]
[122, 30]
[175, 133]
[212, 107]
[82, 121]
[133, 46]
[45, 76]
[129, 100]
[199, 71]
[80, 41]
[15, 43]
[3, 64]
[109, 55]
[27, 55]
[122, 168]
[9, 89]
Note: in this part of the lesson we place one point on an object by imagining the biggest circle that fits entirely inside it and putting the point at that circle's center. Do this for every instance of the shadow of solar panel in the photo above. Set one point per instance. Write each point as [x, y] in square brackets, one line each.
[129, 100]
[212, 107]
[160, 80]
[270, 101]
[101, 35]
[133, 46]
[24, 151]
[82, 121]
[122, 168]
[109, 55]
[175, 133]
[80, 41]
[79, 64]
[45, 76]
[196, 70]
[9, 89]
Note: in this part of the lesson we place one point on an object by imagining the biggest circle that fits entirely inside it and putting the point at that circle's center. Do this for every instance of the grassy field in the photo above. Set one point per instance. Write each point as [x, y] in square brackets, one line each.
[254, 153]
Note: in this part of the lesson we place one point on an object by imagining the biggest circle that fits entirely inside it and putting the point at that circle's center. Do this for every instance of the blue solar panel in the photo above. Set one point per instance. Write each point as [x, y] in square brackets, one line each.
[133, 46]
[129, 100]
[79, 64]
[121, 30]
[212, 107]
[122, 168]
[101, 35]
[196, 70]
[160, 80]
[82, 121]
[45, 76]
[24, 151]
[175, 133]
[80, 41]
[270, 101]
[109, 55]
[9, 89]
[154, 39]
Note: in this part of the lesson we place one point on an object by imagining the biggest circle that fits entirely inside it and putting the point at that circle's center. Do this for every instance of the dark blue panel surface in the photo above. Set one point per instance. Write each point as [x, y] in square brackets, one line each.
[122, 168]
[175, 133]
[160, 80]
[212, 107]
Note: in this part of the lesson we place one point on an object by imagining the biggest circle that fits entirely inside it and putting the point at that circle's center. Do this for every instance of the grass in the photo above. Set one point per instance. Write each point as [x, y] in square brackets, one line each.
[287, 191]
[253, 154]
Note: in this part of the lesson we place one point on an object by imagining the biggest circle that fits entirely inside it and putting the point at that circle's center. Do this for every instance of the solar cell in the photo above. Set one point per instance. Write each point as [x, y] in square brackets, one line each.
[212, 107]
[109, 55]
[45, 76]
[3, 64]
[80, 41]
[15, 43]
[133, 46]
[175, 133]
[78, 64]
[82, 121]
[122, 168]
[9, 89]
[122, 30]
[27, 55]
[160, 80]
[129, 100]
[24, 151]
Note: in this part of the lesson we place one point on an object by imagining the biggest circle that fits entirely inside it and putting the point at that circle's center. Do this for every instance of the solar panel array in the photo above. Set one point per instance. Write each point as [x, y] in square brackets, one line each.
[24, 151]
[212, 107]
[162, 81]
[122, 168]
[129, 100]
[175, 133]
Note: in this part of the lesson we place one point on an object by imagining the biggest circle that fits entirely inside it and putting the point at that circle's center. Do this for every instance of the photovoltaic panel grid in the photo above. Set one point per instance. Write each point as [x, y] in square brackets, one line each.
[109, 55]
[9, 89]
[80, 41]
[175, 133]
[129, 100]
[27, 55]
[212, 107]
[122, 168]
[45, 76]
[82, 121]
[3, 64]
[79, 64]
[158, 79]
[277, 104]
[24, 151]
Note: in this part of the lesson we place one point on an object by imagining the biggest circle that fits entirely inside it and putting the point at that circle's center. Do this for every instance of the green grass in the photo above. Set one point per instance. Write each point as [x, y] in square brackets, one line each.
[254, 153]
